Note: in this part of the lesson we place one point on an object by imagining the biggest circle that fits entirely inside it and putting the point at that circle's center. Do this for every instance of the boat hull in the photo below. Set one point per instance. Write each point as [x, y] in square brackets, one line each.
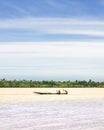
[48, 93]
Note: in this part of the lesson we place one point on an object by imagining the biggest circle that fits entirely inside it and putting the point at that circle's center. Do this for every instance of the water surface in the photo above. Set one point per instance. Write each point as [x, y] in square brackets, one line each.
[53, 115]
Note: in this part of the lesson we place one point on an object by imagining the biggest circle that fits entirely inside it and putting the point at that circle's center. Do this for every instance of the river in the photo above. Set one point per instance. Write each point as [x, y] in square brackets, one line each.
[53, 115]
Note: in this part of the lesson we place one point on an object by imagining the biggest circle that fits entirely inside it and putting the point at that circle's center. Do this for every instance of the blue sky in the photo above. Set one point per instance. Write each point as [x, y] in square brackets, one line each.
[52, 39]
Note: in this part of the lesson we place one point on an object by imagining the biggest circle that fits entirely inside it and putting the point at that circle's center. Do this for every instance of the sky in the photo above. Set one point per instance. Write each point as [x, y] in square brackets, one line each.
[52, 39]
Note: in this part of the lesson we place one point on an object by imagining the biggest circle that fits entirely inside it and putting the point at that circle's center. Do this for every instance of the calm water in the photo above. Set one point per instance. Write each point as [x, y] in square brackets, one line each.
[53, 115]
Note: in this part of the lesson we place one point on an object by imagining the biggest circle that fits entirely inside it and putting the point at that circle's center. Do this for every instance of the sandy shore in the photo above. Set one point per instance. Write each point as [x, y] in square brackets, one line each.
[27, 94]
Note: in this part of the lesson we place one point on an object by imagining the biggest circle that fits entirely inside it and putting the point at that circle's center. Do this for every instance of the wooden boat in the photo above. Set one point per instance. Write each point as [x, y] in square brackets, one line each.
[49, 93]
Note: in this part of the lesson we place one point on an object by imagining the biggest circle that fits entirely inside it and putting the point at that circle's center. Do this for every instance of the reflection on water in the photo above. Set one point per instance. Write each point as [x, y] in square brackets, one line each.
[53, 115]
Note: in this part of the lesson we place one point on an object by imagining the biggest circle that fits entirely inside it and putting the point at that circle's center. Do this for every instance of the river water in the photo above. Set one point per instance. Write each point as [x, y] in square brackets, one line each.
[53, 115]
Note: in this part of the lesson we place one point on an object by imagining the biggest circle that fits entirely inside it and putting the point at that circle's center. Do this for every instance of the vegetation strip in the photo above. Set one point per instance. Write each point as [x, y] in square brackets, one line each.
[46, 84]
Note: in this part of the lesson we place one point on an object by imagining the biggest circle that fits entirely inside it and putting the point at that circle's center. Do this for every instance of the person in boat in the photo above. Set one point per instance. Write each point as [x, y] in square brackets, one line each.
[65, 91]
[58, 92]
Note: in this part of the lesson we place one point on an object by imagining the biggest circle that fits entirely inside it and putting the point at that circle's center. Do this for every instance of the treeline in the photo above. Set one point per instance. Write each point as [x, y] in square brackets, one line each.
[45, 84]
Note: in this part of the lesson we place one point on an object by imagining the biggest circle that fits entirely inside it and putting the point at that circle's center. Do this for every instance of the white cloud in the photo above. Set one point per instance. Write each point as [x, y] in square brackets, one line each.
[56, 26]
[52, 60]
[54, 49]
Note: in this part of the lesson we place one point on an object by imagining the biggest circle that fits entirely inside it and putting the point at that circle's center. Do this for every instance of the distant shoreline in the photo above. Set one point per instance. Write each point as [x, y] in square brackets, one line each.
[4, 83]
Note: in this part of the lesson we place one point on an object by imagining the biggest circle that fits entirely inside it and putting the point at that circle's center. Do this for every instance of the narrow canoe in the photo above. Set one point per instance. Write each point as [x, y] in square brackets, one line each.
[48, 93]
